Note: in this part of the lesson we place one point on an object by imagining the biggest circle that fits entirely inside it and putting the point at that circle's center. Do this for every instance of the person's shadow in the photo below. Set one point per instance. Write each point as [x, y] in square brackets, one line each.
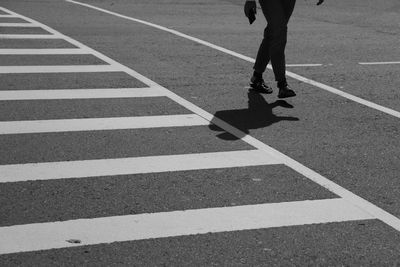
[258, 115]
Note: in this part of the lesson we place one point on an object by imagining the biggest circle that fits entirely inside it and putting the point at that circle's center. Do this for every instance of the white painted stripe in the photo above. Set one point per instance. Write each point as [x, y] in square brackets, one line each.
[235, 54]
[43, 51]
[350, 197]
[81, 93]
[98, 124]
[58, 69]
[44, 236]
[300, 65]
[29, 36]
[123, 166]
[8, 16]
[380, 63]
[304, 65]
[22, 24]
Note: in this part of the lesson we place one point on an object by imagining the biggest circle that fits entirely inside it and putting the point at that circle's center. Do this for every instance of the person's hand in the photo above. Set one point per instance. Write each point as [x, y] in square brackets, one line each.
[320, 2]
[250, 10]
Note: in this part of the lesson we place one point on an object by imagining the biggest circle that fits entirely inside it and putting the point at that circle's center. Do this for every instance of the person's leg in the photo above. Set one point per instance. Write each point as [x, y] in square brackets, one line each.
[257, 82]
[289, 7]
[263, 56]
[284, 89]
[262, 59]
[277, 14]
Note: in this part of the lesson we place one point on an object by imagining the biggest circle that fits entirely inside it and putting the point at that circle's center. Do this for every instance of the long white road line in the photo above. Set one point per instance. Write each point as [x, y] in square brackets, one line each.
[58, 69]
[100, 124]
[235, 54]
[29, 36]
[43, 51]
[7, 16]
[380, 63]
[135, 165]
[22, 24]
[33, 237]
[269, 152]
[304, 65]
[81, 93]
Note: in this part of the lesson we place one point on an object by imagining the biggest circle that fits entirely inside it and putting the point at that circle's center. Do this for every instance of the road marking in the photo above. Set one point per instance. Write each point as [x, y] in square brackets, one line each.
[379, 63]
[58, 69]
[304, 65]
[81, 93]
[135, 165]
[8, 16]
[18, 25]
[301, 65]
[29, 36]
[99, 124]
[44, 236]
[268, 152]
[235, 54]
[44, 51]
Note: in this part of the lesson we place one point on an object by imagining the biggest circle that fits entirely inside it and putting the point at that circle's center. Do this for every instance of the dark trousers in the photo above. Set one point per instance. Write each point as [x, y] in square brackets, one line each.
[277, 14]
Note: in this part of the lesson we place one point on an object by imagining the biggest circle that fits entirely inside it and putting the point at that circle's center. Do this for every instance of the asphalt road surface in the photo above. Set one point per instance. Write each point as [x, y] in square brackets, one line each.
[128, 136]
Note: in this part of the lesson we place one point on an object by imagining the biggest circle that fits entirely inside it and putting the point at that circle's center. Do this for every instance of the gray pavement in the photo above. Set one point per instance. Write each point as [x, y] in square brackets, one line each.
[350, 144]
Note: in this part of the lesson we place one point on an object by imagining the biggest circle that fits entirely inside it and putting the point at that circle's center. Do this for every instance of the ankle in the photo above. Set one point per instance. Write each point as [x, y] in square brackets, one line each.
[282, 84]
[257, 75]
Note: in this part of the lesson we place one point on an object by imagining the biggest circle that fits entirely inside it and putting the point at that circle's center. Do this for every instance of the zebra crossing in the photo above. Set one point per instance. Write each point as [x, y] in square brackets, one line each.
[80, 232]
